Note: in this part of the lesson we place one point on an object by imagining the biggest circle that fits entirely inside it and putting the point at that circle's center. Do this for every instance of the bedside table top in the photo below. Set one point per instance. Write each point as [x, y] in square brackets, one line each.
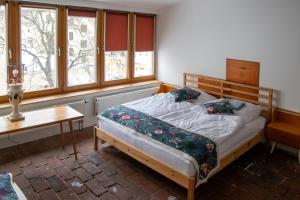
[286, 127]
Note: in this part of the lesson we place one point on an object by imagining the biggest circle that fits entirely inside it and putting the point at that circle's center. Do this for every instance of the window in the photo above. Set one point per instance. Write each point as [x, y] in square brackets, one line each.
[116, 45]
[38, 48]
[67, 49]
[81, 47]
[144, 50]
[3, 48]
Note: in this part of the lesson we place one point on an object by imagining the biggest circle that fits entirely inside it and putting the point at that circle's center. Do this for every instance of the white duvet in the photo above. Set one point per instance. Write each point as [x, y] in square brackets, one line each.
[188, 116]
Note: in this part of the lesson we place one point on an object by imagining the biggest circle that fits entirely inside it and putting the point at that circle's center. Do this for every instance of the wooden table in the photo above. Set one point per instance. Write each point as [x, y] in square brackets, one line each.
[42, 118]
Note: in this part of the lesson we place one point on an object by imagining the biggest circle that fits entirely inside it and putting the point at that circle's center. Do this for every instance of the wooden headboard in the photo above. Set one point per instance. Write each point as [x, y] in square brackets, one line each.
[245, 72]
[223, 88]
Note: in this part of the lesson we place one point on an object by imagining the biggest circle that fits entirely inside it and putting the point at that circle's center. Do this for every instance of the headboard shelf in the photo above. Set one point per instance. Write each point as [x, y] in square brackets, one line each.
[246, 93]
[220, 81]
[222, 88]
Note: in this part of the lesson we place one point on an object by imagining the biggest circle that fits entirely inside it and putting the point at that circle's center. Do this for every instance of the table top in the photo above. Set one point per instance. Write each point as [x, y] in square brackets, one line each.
[39, 118]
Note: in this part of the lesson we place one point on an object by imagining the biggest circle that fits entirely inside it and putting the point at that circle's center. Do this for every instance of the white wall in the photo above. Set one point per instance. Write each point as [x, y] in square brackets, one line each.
[198, 35]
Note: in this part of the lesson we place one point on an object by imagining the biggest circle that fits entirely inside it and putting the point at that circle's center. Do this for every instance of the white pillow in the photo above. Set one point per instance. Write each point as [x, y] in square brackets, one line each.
[249, 112]
[203, 98]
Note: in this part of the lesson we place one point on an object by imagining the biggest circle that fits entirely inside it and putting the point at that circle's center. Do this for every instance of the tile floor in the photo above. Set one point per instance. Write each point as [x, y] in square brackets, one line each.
[43, 170]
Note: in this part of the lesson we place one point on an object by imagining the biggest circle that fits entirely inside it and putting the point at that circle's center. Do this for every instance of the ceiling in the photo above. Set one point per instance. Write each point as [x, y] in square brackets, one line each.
[147, 4]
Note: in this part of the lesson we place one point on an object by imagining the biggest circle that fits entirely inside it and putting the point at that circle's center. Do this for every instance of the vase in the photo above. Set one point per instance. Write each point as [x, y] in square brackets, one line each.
[15, 96]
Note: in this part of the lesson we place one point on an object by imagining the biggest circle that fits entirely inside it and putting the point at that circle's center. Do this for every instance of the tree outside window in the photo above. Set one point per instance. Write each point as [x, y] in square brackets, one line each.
[38, 48]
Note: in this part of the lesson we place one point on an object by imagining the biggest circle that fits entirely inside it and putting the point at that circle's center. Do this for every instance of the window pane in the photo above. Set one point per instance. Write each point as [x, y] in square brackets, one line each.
[115, 65]
[144, 41]
[143, 63]
[38, 48]
[3, 47]
[116, 45]
[81, 50]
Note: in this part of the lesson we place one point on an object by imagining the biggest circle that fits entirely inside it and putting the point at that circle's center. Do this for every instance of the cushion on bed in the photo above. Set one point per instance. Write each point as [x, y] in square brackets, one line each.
[6, 189]
[203, 98]
[185, 93]
[236, 104]
[219, 107]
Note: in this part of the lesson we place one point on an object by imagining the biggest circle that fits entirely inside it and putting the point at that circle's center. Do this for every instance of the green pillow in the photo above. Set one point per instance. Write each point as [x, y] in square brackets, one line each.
[219, 107]
[185, 94]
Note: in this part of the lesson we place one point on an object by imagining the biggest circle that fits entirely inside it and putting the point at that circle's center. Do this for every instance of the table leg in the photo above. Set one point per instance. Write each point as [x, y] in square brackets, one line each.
[73, 138]
[81, 122]
[62, 135]
[95, 139]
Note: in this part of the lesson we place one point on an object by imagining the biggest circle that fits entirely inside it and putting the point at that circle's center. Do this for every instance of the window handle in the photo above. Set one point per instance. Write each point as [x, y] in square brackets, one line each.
[98, 50]
[9, 54]
[58, 51]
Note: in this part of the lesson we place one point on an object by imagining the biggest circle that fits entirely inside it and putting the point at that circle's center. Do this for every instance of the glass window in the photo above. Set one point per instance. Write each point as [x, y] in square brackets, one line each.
[116, 45]
[82, 48]
[3, 54]
[143, 63]
[144, 40]
[115, 65]
[38, 48]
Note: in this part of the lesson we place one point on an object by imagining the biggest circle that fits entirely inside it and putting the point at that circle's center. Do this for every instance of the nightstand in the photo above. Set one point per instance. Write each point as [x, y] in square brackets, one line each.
[284, 129]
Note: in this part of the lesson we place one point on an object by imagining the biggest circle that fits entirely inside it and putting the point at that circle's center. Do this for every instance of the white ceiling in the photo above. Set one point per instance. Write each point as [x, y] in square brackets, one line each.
[146, 4]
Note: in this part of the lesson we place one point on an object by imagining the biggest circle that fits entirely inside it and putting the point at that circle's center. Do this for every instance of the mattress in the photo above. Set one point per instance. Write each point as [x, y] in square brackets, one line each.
[167, 156]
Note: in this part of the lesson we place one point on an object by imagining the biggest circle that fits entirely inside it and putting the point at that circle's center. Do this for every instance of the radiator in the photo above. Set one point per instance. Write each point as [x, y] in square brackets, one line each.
[80, 107]
[77, 105]
[101, 103]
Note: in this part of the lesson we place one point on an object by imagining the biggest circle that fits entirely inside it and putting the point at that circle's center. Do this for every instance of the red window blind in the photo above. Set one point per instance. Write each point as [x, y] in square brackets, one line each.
[116, 31]
[144, 35]
[81, 13]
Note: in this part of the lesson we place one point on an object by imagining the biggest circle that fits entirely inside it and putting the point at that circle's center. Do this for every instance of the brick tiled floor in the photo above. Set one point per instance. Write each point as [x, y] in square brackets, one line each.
[43, 170]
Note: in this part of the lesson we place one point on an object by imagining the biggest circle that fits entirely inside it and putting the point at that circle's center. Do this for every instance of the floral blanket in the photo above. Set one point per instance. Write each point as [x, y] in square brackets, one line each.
[202, 149]
[7, 192]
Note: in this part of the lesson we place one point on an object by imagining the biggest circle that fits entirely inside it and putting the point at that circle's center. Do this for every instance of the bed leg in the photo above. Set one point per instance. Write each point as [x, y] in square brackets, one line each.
[191, 188]
[273, 147]
[95, 139]
[299, 156]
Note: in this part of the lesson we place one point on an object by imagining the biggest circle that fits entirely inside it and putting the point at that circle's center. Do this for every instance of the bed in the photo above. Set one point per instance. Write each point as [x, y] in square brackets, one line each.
[9, 189]
[178, 166]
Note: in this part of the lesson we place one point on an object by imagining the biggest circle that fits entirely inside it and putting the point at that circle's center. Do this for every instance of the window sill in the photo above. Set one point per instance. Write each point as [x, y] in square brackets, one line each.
[79, 93]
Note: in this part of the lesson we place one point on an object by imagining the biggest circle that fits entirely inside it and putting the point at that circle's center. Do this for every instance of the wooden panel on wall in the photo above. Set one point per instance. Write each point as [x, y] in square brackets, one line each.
[246, 72]
[240, 71]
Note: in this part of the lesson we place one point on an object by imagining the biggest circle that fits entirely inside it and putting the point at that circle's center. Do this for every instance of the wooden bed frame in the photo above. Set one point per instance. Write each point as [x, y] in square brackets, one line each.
[217, 87]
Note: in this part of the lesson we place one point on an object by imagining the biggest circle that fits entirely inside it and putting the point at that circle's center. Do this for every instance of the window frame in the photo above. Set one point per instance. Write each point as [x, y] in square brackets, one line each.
[149, 77]
[39, 93]
[2, 3]
[13, 14]
[129, 64]
[73, 88]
